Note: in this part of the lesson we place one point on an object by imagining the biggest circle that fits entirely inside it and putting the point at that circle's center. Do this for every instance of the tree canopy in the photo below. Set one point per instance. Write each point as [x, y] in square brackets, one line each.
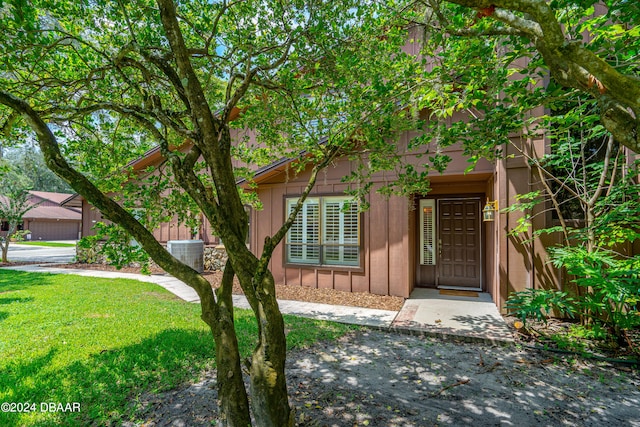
[100, 83]
[590, 47]
[28, 160]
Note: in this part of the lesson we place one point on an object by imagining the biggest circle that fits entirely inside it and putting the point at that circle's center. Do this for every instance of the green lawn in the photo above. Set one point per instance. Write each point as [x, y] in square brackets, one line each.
[101, 343]
[48, 244]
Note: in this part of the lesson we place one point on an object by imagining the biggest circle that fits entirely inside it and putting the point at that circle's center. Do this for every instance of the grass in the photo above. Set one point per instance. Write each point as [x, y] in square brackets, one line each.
[103, 343]
[48, 244]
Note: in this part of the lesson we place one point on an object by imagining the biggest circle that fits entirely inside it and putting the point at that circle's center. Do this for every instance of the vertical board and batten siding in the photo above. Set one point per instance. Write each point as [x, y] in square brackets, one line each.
[398, 245]
[378, 249]
[165, 232]
[520, 263]
[383, 234]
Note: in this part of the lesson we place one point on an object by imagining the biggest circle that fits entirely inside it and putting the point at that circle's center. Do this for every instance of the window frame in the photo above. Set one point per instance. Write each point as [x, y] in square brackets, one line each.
[322, 199]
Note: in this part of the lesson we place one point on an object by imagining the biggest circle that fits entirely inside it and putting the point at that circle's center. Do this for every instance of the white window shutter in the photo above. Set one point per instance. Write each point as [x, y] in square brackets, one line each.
[427, 232]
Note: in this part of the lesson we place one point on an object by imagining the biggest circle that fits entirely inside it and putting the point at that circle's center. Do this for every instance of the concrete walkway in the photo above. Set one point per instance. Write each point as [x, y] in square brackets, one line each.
[445, 314]
[462, 314]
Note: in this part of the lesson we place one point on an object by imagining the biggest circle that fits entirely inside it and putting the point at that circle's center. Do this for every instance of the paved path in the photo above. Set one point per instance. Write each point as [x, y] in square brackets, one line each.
[428, 311]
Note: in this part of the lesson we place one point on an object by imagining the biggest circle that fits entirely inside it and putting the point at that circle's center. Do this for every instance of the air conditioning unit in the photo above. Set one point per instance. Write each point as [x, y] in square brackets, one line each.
[190, 252]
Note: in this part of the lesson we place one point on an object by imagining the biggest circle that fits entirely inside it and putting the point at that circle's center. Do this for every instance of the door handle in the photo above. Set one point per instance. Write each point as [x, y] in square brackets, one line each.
[439, 247]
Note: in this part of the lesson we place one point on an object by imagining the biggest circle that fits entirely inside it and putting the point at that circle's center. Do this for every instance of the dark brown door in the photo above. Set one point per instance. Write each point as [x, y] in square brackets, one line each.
[459, 263]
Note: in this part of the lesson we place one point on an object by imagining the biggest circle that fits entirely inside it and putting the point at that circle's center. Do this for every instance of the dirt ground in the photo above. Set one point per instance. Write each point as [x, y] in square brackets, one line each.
[375, 378]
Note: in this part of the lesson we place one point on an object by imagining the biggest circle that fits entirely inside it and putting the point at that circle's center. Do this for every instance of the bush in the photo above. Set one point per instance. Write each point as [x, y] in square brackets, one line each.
[609, 284]
[88, 249]
[539, 304]
[115, 246]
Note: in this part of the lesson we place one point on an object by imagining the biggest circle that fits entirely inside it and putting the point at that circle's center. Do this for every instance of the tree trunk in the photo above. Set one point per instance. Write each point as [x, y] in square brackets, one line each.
[232, 395]
[7, 239]
[5, 249]
[269, 397]
[270, 401]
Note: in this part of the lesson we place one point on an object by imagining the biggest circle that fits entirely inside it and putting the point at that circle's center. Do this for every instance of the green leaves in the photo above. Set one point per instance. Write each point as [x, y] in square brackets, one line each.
[540, 304]
[611, 284]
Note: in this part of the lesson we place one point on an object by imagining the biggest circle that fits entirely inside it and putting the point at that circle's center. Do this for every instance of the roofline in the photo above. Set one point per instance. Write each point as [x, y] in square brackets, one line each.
[70, 198]
[266, 171]
[155, 154]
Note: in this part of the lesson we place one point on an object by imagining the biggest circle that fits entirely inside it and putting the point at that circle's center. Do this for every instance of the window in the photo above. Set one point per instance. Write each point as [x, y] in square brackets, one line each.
[427, 234]
[4, 226]
[326, 232]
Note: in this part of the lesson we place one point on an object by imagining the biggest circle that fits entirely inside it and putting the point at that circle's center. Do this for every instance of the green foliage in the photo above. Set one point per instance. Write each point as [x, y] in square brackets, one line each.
[12, 180]
[540, 304]
[580, 338]
[88, 249]
[618, 213]
[20, 235]
[106, 343]
[29, 161]
[118, 248]
[610, 284]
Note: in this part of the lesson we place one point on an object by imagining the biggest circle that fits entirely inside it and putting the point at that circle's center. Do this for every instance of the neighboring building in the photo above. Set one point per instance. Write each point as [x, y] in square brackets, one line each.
[166, 231]
[49, 220]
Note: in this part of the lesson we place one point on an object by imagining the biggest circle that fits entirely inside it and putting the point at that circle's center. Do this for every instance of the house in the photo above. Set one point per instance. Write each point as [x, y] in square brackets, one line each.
[165, 232]
[49, 220]
[437, 239]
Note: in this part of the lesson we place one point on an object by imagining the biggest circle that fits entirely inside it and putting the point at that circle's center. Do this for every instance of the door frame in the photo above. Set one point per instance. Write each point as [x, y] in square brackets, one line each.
[434, 283]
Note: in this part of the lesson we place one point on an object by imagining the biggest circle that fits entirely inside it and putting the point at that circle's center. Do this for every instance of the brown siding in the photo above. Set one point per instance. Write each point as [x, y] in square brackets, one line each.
[520, 262]
[398, 246]
[387, 233]
[378, 248]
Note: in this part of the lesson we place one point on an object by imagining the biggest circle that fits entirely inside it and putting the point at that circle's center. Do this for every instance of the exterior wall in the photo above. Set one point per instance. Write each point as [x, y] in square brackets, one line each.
[90, 216]
[388, 228]
[384, 234]
[522, 263]
[167, 231]
[172, 231]
[48, 220]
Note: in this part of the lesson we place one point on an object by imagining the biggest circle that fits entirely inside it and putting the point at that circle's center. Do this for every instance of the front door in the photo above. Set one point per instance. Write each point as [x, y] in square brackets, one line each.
[460, 243]
[450, 243]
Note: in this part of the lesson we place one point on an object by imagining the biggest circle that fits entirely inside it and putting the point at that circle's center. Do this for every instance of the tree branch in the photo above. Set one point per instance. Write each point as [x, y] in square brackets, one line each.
[203, 117]
[114, 212]
[251, 73]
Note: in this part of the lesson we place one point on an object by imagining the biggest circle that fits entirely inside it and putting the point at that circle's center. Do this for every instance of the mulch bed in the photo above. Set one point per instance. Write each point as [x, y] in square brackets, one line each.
[285, 292]
[12, 263]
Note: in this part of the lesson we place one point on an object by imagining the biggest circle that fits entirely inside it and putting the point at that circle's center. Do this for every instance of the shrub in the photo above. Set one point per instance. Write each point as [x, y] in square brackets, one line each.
[610, 285]
[539, 304]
